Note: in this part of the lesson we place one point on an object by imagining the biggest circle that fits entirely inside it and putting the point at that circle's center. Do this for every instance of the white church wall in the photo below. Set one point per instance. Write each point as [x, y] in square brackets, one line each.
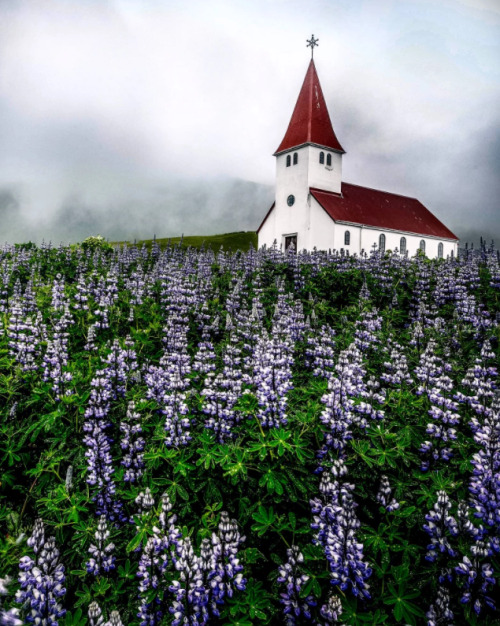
[322, 175]
[322, 230]
[324, 234]
[284, 219]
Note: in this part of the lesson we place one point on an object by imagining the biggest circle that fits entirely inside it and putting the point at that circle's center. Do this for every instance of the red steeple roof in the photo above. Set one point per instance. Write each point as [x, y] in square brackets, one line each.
[310, 122]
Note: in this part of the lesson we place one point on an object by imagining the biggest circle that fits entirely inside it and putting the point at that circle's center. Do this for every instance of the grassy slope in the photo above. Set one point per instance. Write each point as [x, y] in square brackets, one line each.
[231, 241]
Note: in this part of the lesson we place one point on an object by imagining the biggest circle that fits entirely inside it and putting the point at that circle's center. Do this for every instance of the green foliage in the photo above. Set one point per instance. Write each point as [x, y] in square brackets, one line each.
[265, 478]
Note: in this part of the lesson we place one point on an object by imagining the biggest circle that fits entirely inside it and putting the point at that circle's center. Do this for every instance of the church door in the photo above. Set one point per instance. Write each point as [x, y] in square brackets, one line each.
[291, 240]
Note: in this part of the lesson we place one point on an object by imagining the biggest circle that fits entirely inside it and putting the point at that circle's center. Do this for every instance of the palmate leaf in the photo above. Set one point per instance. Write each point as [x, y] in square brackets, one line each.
[264, 520]
[75, 618]
[403, 608]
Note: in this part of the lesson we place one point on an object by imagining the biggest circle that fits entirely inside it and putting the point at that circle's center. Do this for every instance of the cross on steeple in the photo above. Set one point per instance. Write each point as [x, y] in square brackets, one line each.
[312, 43]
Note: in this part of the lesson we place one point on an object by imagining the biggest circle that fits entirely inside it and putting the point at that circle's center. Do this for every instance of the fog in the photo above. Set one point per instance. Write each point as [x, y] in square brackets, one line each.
[131, 118]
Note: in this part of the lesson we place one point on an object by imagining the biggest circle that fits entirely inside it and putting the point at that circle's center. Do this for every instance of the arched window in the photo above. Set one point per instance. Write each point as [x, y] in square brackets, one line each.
[402, 246]
[440, 251]
[452, 254]
[288, 160]
[347, 238]
[295, 158]
[322, 158]
[329, 160]
[381, 243]
[422, 245]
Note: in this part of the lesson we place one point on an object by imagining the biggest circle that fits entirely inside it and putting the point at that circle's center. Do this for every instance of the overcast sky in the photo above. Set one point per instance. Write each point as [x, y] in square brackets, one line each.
[113, 105]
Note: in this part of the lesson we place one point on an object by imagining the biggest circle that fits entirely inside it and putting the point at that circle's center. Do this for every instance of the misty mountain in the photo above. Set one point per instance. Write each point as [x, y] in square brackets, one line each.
[201, 207]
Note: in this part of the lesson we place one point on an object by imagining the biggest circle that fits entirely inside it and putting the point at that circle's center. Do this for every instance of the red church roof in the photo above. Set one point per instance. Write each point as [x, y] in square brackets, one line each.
[310, 122]
[380, 209]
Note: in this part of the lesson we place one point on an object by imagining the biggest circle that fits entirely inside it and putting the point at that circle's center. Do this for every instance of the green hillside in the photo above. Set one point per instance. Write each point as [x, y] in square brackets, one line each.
[230, 241]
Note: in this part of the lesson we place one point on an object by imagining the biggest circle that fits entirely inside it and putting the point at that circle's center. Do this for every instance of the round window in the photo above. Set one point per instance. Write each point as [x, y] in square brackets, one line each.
[290, 200]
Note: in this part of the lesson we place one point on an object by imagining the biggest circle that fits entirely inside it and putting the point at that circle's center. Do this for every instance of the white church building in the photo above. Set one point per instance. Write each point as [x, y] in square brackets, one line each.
[315, 208]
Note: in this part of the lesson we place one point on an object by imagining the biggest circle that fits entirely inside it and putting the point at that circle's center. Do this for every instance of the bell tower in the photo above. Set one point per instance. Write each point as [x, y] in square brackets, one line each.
[310, 154]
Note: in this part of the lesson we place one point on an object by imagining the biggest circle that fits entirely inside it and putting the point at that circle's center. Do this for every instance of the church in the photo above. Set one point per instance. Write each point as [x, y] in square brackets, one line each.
[315, 208]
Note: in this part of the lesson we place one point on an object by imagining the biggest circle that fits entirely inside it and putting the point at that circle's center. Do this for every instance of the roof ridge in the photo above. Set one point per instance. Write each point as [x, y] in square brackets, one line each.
[392, 193]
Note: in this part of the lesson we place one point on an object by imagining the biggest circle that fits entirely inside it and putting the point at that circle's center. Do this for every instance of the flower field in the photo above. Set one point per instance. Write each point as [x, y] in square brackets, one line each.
[199, 437]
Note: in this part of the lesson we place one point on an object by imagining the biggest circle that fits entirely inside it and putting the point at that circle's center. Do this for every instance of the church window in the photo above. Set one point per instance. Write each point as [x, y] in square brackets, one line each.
[381, 243]
[347, 238]
[288, 160]
[295, 158]
[402, 246]
[322, 158]
[422, 245]
[440, 251]
[329, 160]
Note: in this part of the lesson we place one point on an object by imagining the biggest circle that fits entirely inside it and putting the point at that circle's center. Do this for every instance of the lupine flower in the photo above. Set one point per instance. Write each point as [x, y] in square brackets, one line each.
[223, 571]
[335, 523]
[273, 378]
[99, 460]
[320, 352]
[384, 495]
[477, 581]
[396, 367]
[96, 617]
[332, 610]
[10, 617]
[190, 594]
[155, 558]
[439, 613]
[132, 445]
[440, 525]
[289, 574]
[41, 580]
[101, 557]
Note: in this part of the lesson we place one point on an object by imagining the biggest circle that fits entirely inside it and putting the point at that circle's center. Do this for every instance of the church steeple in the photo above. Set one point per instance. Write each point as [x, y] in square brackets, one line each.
[310, 122]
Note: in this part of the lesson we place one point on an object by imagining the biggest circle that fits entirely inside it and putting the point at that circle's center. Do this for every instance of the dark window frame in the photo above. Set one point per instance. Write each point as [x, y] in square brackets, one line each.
[402, 245]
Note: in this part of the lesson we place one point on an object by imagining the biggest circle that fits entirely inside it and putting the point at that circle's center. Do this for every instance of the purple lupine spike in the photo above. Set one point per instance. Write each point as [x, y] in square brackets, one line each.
[439, 613]
[440, 526]
[336, 523]
[10, 617]
[366, 329]
[221, 563]
[101, 553]
[24, 338]
[95, 615]
[384, 495]
[396, 367]
[132, 445]
[320, 352]
[332, 610]
[42, 580]
[273, 377]
[56, 360]
[289, 573]
[477, 580]
[190, 594]
[99, 460]
[114, 619]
